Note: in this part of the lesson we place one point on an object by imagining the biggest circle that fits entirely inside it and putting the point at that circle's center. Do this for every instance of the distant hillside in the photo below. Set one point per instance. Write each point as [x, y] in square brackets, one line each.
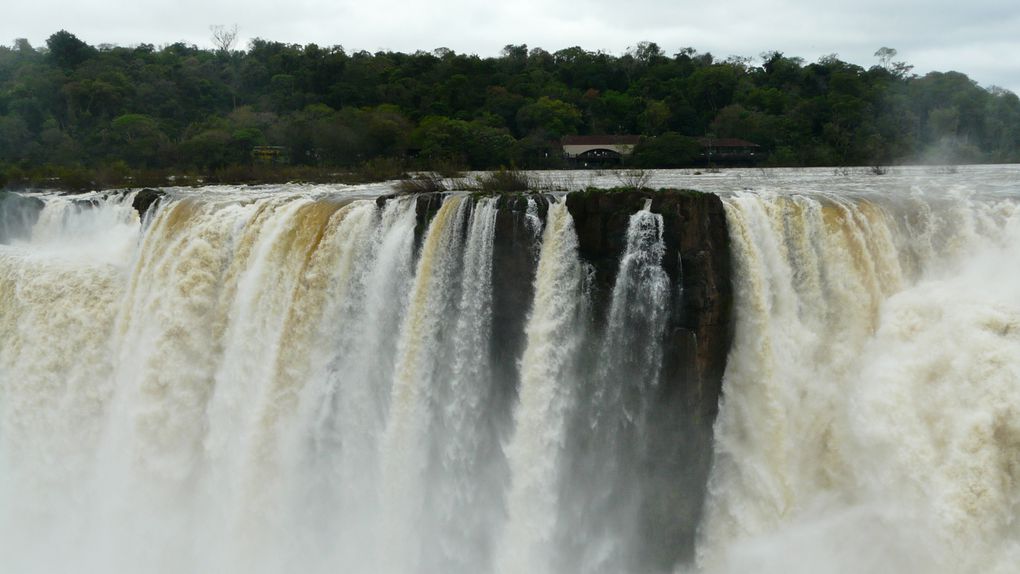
[71, 106]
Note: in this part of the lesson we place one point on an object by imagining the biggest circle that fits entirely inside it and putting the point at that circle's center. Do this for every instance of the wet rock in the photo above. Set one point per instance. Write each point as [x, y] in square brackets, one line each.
[697, 262]
[515, 258]
[675, 455]
[18, 213]
[676, 452]
[145, 199]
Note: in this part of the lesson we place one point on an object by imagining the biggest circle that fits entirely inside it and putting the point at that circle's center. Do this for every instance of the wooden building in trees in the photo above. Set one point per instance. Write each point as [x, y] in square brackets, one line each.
[269, 154]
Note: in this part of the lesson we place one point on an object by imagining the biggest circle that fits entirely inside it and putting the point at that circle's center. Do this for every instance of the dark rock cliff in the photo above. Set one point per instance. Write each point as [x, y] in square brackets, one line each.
[515, 258]
[18, 213]
[697, 258]
[672, 454]
[145, 199]
[666, 457]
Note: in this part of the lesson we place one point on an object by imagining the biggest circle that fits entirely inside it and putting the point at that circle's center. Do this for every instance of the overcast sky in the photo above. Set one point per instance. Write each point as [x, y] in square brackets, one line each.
[980, 38]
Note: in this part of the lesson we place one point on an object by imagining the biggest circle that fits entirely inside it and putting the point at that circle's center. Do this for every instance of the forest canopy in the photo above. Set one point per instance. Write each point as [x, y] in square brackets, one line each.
[181, 107]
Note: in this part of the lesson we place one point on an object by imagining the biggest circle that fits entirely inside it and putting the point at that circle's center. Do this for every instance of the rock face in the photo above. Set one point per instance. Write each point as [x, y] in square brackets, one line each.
[515, 258]
[697, 257]
[18, 213]
[672, 451]
[145, 199]
[677, 453]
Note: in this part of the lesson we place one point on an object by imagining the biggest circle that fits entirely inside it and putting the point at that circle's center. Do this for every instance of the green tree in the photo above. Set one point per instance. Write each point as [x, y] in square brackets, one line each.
[667, 150]
[555, 118]
[137, 139]
[443, 140]
[67, 51]
[655, 118]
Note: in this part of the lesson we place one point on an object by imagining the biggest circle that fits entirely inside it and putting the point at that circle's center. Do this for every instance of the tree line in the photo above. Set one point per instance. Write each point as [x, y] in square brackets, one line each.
[181, 107]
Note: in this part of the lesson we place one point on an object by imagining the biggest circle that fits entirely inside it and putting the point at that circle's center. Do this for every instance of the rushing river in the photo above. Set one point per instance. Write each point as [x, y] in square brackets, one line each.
[305, 379]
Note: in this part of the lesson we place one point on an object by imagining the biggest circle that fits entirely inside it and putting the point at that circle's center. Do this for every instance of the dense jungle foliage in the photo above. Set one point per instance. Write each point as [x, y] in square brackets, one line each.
[106, 109]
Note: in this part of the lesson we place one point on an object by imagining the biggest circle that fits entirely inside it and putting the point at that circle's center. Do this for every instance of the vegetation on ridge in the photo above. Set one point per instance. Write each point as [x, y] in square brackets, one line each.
[107, 114]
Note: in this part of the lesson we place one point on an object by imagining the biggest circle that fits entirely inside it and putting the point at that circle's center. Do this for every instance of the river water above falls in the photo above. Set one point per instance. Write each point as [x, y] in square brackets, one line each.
[806, 372]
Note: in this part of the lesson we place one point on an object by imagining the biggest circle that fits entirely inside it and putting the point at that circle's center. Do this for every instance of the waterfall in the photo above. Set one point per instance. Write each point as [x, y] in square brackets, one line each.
[466, 499]
[547, 368]
[309, 378]
[60, 300]
[343, 409]
[632, 347]
[420, 353]
[611, 424]
[869, 414]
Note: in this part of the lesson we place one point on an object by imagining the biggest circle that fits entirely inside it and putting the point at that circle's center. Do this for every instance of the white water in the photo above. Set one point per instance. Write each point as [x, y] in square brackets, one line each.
[616, 404]
[534, 454]
[279, 382]
[871, 398]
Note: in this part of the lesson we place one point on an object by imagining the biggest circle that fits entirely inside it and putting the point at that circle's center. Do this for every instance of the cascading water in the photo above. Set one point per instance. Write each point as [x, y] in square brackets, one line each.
[310, 380]
[258, 384]
[535, 453]
[869, 421]
[608, 445]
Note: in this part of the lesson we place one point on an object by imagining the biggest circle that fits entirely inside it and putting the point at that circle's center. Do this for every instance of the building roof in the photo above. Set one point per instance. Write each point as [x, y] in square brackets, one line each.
[601, 140]
[726, 142]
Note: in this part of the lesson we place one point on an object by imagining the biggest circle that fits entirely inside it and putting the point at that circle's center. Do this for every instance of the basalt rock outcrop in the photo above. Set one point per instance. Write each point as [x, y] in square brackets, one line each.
[145, 199]
[672, 456]
[697, 262]
[18, 213]
[515, 248]
[674, 461]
